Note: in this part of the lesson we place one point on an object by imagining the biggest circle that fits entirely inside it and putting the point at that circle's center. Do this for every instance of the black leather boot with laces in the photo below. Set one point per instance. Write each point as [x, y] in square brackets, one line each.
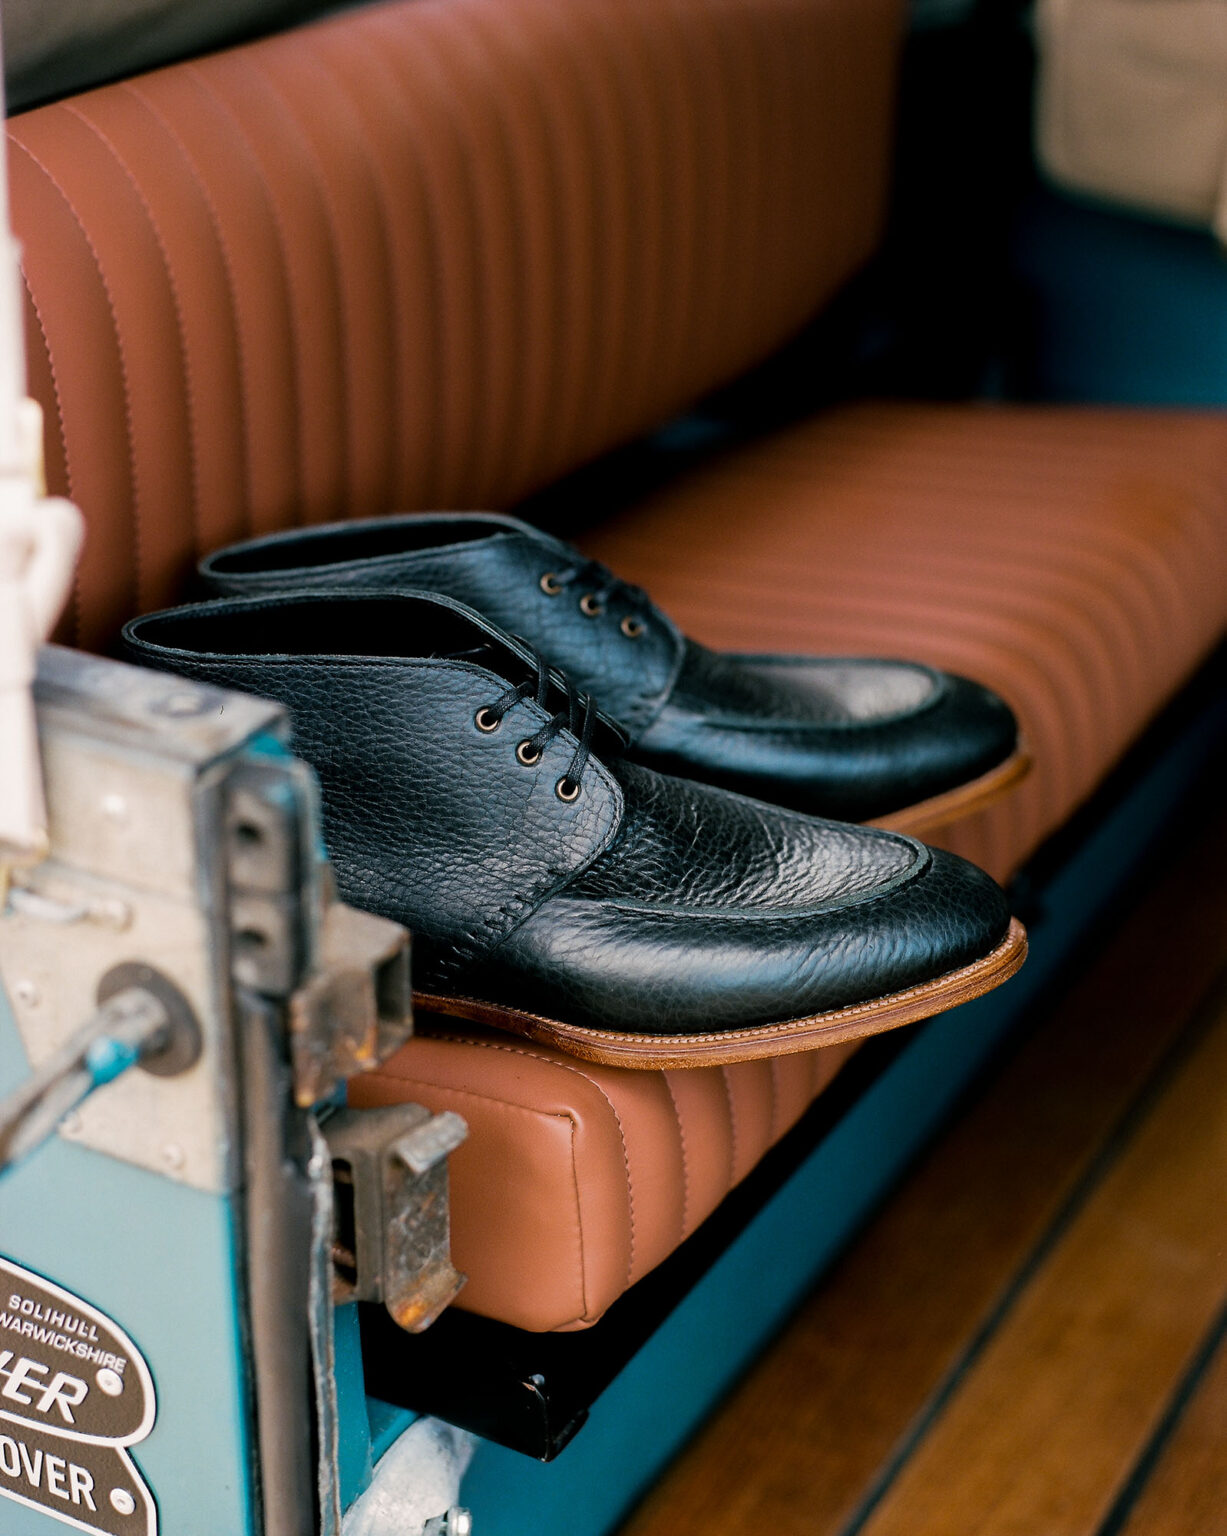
[557, 890]
[858, 738]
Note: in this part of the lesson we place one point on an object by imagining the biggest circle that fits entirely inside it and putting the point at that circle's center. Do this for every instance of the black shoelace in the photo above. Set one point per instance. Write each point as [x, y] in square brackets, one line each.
[530, 750]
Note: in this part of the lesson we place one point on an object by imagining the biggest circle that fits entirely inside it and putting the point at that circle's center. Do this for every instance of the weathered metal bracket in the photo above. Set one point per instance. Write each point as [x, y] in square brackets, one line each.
[354, 1010]
[343, 973]
[392, 1240]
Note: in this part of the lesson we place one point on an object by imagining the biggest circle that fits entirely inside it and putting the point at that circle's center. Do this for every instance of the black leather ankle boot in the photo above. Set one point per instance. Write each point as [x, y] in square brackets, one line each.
[856, 738]
[560, 891]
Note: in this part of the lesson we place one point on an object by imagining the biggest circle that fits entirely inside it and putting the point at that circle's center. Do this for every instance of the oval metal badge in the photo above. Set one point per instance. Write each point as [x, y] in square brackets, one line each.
[74, 1393]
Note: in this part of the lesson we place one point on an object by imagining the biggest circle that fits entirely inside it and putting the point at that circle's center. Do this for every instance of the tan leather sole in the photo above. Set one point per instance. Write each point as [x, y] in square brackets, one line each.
[653, 1052]
[930, 815]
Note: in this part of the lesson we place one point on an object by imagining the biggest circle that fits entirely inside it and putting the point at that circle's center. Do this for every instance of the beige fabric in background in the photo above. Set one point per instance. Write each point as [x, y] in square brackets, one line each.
[1132, 103]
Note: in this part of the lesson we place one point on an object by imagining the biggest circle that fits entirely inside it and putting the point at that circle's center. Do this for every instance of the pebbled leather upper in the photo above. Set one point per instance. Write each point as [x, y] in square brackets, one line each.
[846, 737]
[649, 904]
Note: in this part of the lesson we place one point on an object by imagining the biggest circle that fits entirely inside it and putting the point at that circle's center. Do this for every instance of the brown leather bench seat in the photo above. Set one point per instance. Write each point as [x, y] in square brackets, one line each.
[440, 252]
[1076, 560]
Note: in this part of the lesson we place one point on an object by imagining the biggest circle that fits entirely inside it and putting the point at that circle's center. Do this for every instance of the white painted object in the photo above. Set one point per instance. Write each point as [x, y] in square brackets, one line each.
[40, 539]
[416, 1480]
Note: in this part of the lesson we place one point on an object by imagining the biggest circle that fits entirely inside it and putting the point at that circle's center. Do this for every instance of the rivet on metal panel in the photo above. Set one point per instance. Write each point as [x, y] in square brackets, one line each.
[180, 704]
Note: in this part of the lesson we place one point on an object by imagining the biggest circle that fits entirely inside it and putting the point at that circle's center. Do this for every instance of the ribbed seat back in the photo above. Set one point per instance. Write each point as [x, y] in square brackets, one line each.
[427, 253]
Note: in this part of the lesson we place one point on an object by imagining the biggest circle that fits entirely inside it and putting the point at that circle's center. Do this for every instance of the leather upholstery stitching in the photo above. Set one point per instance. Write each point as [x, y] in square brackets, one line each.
[375, 182]
[733, 1138]
[297, 500]
[227, 260]
[681, 1136]
[515, 1050]
[388, 59]
[74, 602]
[507, 180]
[436, 1086]
[177, 304]
[318, 182]
[121, 352]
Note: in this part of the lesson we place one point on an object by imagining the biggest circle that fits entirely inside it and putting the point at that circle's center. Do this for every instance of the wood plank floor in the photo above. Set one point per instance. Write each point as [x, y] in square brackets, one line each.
[1029, 1340]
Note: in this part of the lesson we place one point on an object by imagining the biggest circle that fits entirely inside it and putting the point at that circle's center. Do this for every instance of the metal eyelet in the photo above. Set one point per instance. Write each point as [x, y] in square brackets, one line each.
[589, 605]
[526, 756]
[561, 792]
[550, 584]
[631, 628]
[485, 721]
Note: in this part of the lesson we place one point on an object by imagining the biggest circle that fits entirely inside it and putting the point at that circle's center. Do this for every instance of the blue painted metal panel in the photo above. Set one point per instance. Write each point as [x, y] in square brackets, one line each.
[354, 1456]
[1126, 310]
[159, 1258]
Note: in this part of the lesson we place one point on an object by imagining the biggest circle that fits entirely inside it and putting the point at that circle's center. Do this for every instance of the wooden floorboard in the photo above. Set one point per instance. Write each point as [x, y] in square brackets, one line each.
[839, 1408]
[1051, 1418]
[1185, 1492]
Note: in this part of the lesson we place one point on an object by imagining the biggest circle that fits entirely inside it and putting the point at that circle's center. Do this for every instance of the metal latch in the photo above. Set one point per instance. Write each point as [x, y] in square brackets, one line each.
[392, 1241]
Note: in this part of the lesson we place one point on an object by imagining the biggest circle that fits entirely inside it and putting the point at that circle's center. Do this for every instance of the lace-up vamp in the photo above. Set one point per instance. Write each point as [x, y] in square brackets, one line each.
[600, 587]
[530, 750]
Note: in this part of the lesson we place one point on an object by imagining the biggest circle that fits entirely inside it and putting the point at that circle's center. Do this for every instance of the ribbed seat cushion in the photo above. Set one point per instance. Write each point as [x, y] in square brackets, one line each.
[436, 252]
[577, 1180]
[426, 253]
[1077, 560]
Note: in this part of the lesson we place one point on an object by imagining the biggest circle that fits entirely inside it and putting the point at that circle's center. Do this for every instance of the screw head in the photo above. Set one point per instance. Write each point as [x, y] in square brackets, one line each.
[173, 1157]
[27, 994]
[122, 1502]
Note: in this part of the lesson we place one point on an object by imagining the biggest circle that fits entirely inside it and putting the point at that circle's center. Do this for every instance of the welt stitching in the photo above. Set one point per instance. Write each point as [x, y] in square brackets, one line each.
[681, 1136]
[231, 286]
[515, 1050]
[788, 1026]
[278, 227]
[177, 305]
[137, 553]
[75, 599]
